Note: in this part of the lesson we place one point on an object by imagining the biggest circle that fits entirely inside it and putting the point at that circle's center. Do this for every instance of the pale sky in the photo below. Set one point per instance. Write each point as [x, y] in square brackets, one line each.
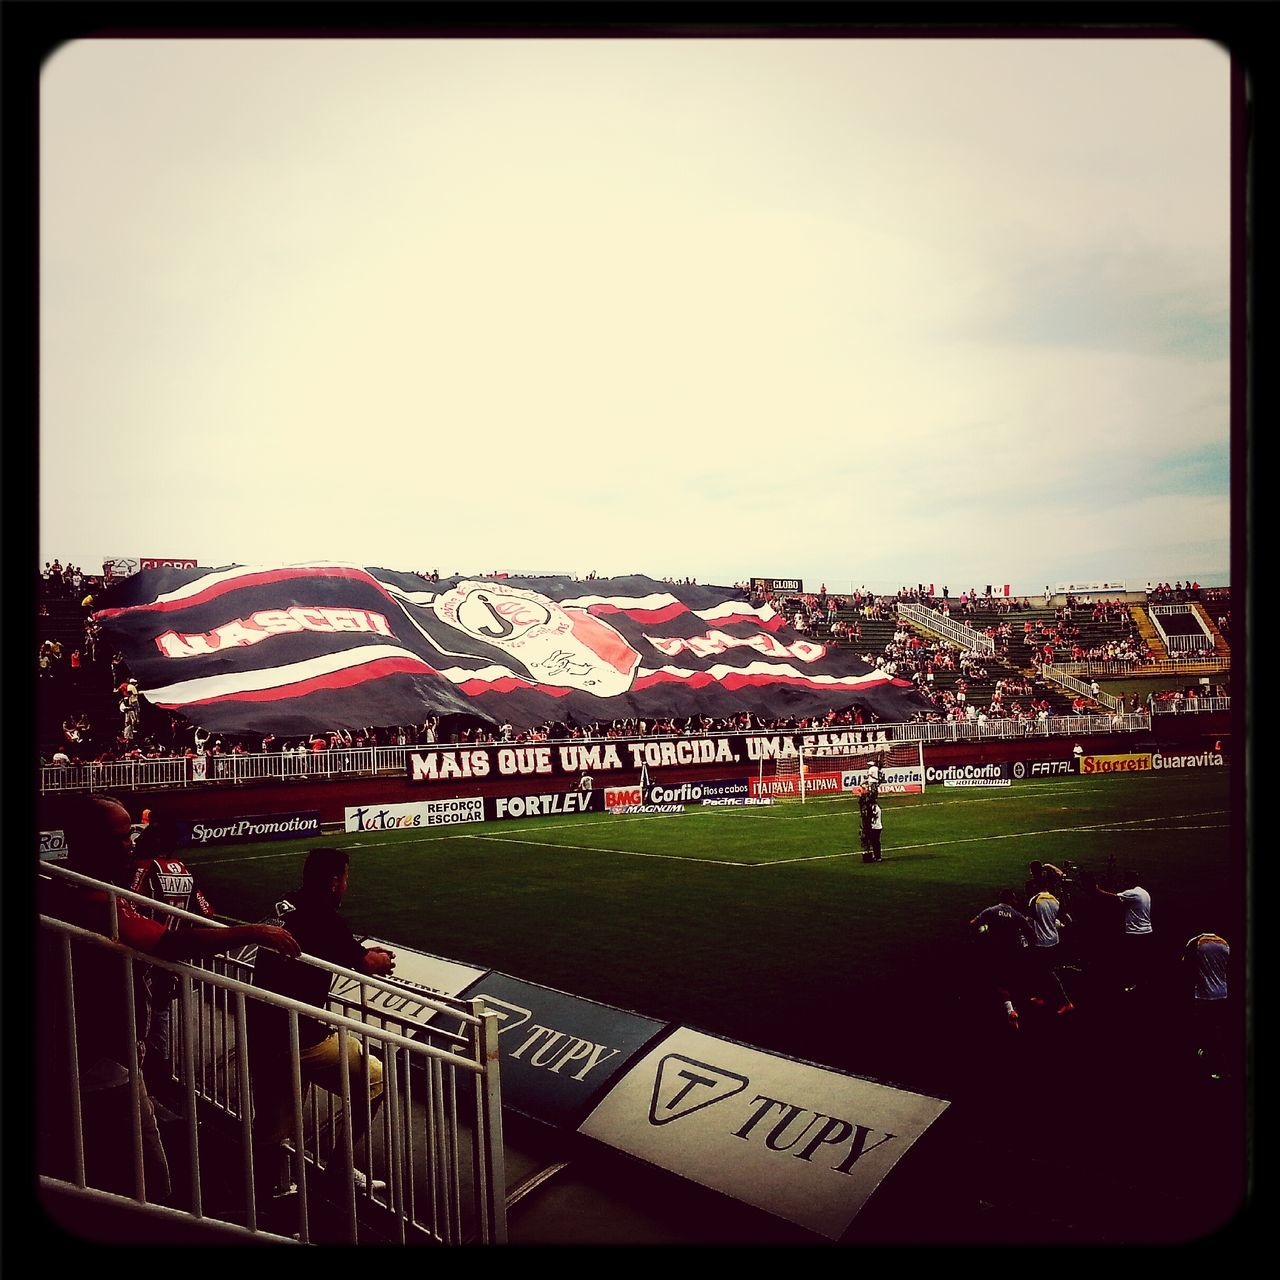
[855, 311]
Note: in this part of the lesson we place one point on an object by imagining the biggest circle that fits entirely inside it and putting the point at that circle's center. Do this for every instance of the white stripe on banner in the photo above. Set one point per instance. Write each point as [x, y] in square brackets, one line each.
[460, 675]
[655, 600]
[771, 669]
[664, 599]
[197, 585]
[278, 677]
[736, 608]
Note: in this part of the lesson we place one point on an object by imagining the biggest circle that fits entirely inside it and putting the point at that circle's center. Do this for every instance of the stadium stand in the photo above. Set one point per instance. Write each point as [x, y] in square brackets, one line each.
[96, 691]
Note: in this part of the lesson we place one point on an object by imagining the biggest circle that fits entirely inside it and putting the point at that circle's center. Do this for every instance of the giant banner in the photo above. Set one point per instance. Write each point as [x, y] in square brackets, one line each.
[299, 648]
[610, 756]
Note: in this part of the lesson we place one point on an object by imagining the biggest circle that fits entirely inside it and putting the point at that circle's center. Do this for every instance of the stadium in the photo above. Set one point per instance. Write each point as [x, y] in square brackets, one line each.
[651, 986]
[807, 805]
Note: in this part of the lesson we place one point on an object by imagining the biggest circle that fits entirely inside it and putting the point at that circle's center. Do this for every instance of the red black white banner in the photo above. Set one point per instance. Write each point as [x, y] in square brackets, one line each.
[297, 648]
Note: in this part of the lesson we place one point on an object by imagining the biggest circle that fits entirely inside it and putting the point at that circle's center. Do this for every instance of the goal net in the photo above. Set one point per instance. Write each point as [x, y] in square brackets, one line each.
[829, 771]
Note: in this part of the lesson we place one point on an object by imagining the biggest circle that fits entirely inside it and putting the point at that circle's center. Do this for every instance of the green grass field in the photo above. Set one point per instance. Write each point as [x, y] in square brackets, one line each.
[763, 924]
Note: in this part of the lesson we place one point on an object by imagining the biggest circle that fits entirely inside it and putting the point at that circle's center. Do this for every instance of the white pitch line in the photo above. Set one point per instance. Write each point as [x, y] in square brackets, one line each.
[621, 853]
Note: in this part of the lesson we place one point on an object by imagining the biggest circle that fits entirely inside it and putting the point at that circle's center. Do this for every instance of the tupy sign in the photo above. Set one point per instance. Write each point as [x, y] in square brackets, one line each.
[559, 1052]
[799, 1141]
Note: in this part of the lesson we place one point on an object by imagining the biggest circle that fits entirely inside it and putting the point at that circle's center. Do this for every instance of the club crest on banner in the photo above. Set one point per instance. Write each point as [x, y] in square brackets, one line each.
[555, 645]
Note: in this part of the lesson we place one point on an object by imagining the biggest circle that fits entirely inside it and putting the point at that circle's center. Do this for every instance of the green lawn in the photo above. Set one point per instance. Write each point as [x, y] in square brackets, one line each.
[763, 924]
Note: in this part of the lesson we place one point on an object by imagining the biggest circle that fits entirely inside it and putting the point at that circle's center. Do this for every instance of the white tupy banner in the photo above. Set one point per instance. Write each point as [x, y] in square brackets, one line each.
[799, 1141]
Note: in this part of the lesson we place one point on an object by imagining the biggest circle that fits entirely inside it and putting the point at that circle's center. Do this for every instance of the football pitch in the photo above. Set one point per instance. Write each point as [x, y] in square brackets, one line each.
[763, 924]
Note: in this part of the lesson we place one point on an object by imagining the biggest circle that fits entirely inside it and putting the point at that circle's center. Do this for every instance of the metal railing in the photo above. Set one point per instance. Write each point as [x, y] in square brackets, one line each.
[433, 1165]
[1026, 727]
[1188, 644]
[1050, 671]
[1178, 667]
[232, 768]
[957, 632]
[1186, 706]
[1181, 642]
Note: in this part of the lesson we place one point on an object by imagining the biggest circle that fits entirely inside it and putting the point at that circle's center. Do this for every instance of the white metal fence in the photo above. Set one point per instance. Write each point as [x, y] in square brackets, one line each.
[1050, 671]
[1190, 665]
[1189, 706]
[958, 633]
[1027, 727]
[1180, 644]
[433, 1163]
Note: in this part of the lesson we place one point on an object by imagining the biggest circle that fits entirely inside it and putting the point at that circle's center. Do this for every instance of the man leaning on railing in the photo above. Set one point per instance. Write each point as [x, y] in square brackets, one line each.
[311, 914]
[97, 830]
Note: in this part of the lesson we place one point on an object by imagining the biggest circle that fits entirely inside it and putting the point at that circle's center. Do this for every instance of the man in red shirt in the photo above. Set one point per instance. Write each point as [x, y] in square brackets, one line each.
[98, 833]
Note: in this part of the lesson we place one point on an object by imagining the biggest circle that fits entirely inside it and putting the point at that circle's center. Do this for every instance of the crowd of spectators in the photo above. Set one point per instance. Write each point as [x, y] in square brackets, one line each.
[1060, 641]
[1179, 593]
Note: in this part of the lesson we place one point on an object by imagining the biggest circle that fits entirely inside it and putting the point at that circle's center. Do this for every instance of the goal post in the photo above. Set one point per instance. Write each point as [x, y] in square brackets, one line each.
[814, 771]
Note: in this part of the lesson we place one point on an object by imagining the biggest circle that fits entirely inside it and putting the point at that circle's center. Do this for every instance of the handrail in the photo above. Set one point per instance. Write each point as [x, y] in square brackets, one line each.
[965, 637]
[1050, 671]
[213, 1042]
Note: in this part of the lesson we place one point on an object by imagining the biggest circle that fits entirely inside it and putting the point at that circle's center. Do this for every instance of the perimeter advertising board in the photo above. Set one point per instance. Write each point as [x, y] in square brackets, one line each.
[53, 846]
[801, 1142]
[503, 808]
[1150, 761]
[1021, 769]
[895, 780]
[420, 814]
[417, 974]
[991, 774]
[559, 1052]
[268, 826]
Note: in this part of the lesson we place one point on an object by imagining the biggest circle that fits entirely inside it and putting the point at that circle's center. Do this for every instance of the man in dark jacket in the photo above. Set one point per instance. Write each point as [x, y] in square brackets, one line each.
[312, 918]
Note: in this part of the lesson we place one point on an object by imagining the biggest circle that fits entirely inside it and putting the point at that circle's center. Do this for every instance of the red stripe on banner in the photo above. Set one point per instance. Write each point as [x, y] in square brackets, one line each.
[509, 684]
[665, 614]
[344, 679]
[700, 680]
[249, 580]
[774, 624]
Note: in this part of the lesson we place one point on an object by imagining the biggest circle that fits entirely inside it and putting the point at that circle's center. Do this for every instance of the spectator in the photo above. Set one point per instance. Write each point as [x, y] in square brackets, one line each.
[98, 834]
[161, 874]
[312, 917]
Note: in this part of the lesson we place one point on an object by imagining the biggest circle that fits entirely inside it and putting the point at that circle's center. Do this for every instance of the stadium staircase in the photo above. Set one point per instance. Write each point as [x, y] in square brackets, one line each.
[1221, 649]
[1147, 631]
